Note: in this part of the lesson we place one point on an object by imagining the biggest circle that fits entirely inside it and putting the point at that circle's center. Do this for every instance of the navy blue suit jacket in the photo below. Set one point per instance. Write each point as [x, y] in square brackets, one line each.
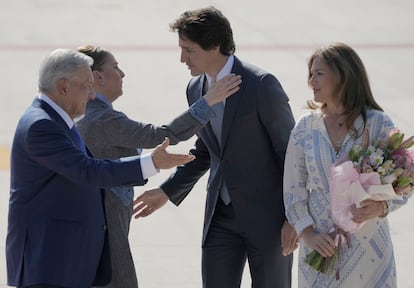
[56, 227]
[255, 131]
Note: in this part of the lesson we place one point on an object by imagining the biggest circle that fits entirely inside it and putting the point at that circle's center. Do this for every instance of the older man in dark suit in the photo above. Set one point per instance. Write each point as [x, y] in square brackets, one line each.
[244, 148]
[57, 234]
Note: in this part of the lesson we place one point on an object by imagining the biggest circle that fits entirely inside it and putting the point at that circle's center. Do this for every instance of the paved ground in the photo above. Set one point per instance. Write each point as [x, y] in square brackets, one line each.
[277, 35]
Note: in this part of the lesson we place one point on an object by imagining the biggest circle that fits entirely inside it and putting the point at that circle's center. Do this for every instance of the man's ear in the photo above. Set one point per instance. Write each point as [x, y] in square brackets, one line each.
[216, 50]
[62, 86]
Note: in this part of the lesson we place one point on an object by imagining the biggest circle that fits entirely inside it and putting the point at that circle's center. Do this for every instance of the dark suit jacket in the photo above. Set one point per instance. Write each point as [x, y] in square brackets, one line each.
[256, 127]
[56, 229]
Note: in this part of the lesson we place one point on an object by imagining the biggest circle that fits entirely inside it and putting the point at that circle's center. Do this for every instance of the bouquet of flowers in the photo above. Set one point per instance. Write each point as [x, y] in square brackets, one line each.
[382, 171]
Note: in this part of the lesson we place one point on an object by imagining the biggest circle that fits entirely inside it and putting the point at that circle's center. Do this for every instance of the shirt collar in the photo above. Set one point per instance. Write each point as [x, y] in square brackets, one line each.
[103, 99]
[226, 70]
[62, 113]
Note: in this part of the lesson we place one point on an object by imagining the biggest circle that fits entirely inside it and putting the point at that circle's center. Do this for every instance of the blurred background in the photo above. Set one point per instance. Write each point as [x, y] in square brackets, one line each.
[273, 34]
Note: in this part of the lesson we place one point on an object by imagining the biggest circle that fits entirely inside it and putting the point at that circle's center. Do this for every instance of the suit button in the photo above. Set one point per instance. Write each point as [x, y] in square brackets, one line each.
[104, 227]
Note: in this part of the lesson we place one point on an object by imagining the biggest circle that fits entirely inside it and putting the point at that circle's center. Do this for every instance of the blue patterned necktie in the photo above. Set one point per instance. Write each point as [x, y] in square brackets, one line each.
[78, 138]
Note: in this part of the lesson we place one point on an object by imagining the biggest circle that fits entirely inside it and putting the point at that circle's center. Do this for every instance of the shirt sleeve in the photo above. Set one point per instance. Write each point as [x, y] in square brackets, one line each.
[147, 166]
[201, 111]
[296, 195]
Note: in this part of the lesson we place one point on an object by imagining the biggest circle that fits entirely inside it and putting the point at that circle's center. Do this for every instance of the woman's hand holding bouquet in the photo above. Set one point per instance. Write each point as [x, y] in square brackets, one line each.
[379, 172]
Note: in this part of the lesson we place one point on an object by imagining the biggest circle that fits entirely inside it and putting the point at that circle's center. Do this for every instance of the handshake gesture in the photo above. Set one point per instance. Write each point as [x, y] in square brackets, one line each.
[162, 159]
[154, 199]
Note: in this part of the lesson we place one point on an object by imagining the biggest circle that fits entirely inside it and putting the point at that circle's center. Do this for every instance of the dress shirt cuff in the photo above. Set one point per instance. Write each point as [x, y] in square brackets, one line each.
[147, 166]
[201, 111]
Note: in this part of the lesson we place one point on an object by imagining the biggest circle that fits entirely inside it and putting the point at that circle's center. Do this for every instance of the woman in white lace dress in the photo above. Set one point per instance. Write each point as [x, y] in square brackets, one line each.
[342, 109]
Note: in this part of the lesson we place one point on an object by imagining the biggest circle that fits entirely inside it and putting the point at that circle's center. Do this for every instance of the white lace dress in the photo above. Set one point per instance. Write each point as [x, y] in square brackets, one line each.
[310, 154]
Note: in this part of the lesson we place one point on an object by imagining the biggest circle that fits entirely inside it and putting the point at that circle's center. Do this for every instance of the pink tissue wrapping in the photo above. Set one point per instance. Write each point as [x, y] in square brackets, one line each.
[348, 187]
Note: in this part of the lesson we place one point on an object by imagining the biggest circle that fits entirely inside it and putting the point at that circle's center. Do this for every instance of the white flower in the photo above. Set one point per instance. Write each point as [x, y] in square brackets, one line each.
[376, 159]
[388, 179]
[370, 149]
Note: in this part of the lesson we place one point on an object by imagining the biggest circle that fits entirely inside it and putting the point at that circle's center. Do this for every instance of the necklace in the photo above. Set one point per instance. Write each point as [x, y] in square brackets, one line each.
[334, 127]
[338, 144]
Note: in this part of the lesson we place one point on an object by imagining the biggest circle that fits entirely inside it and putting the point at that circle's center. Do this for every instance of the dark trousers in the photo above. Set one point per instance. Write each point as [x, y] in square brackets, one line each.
[226, 250]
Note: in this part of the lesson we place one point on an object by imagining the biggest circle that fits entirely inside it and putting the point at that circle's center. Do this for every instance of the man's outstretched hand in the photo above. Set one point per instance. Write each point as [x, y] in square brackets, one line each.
[162, 159]
[148, 202]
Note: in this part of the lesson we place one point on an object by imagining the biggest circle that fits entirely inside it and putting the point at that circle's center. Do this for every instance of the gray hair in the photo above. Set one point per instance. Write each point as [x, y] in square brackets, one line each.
[61, 63]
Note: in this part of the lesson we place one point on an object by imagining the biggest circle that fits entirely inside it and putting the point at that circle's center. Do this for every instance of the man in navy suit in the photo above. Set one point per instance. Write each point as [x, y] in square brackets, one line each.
[57, 234]
[244, 148]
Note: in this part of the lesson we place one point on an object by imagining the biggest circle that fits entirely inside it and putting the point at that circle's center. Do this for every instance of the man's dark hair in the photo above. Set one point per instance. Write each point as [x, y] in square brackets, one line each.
[207, 27]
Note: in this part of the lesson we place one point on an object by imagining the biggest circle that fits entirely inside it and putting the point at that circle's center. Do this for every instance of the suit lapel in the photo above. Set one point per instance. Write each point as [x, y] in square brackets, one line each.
[232, 103]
